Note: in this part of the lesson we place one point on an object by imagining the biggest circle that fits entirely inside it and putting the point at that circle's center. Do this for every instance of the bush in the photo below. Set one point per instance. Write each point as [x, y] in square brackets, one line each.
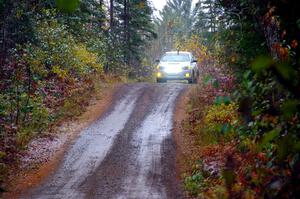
[58, 53]
[193, 184]
[221, 114]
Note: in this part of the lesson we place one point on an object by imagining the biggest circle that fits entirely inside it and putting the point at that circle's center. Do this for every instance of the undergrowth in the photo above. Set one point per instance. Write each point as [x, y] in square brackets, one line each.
[45, 120]
[233, 162]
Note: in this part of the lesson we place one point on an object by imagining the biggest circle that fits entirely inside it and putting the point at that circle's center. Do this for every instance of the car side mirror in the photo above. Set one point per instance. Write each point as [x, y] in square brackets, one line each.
[194, 61]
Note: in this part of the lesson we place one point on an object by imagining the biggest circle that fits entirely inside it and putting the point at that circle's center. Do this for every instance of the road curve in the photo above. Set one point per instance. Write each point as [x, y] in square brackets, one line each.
[127, 153]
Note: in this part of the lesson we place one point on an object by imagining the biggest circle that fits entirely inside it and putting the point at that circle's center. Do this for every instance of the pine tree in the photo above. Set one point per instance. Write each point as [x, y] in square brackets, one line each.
[133, 28]
[175, 23]
[206, 22]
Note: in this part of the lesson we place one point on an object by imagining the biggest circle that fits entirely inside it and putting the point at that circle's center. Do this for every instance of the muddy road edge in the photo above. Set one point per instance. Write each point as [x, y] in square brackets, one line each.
[182, 142]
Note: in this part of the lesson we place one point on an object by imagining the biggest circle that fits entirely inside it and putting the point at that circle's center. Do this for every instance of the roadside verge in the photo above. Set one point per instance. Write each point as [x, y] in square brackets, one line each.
[44, 153]
[186, 149]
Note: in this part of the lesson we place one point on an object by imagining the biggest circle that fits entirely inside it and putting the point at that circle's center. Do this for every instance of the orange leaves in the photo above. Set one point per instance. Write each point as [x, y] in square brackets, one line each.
[262, 157]
[250, 176]
[270, 119]
[194, 45]
[282, 52]
[294, 44]
[270, 17]
[233, 58]
[211, 150]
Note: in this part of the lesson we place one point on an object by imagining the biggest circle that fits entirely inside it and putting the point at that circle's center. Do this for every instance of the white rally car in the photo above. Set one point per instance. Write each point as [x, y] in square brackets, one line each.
[177, 65]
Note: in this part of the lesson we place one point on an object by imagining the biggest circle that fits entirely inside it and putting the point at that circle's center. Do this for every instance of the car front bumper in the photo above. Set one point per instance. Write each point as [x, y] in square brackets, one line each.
[183, 75]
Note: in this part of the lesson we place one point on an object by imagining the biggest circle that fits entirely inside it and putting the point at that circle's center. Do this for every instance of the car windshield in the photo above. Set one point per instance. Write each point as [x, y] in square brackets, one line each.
[174, 57]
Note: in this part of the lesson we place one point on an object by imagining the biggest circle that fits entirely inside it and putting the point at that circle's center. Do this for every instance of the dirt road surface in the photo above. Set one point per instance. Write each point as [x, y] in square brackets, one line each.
[129, 152]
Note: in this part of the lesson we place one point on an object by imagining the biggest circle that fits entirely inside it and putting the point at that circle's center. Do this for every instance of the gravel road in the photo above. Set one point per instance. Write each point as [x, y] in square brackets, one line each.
[127, 153]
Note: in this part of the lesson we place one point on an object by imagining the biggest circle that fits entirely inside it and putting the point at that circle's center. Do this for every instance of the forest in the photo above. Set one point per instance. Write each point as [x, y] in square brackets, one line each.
[243, 115]
[53, 56]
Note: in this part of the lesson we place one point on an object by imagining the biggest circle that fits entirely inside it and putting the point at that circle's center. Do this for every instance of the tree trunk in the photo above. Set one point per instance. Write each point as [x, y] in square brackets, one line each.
[111, 14]
[5, 40]
[102, 14]
[126, 31]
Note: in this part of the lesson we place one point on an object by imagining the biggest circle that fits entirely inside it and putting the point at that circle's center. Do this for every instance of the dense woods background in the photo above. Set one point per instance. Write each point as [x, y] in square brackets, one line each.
[244, 113]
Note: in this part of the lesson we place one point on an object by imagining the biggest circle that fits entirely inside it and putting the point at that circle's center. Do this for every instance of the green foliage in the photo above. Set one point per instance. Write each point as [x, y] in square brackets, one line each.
[289, 108]
[222, 100]
[268, 137]
[38, 120]
[258, 41]
[205, 20]
[67, 5]
[207, 79]
[219, 121]
[131, 34]
[174, 25]
[194, 184]
[229, 177]
[262, 63]
[58, 52]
